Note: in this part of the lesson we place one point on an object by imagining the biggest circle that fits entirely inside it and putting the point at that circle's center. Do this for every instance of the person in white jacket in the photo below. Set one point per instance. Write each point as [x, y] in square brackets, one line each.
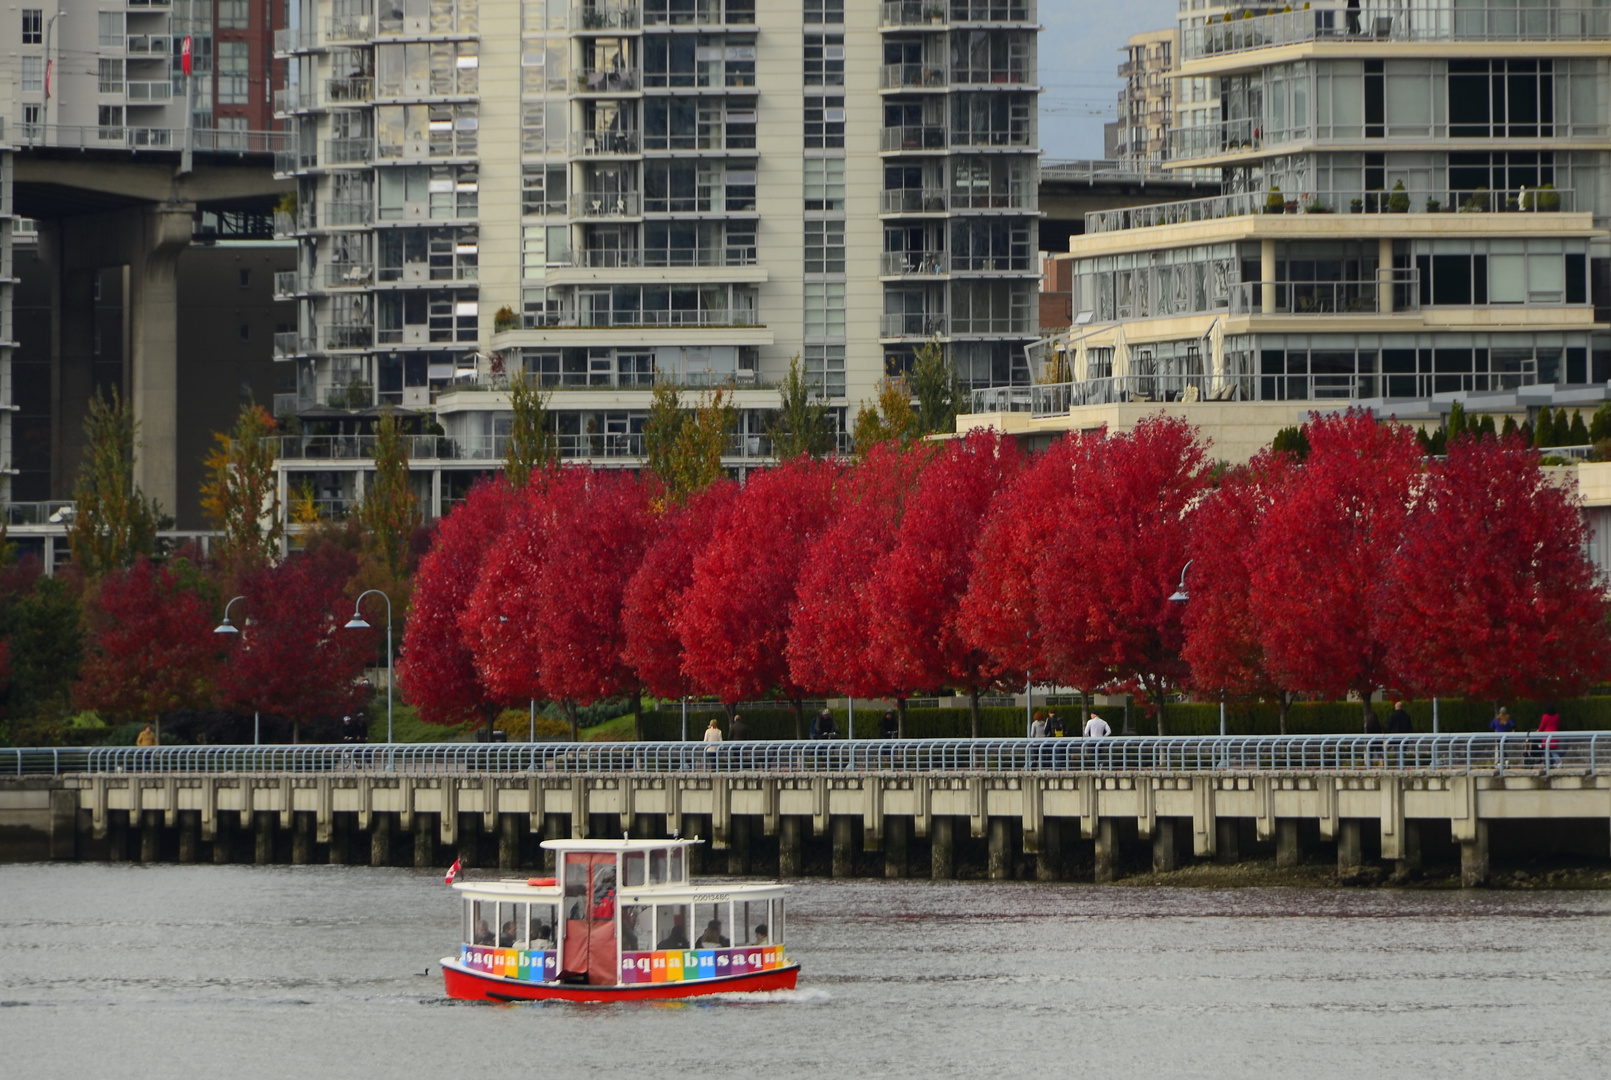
[1097, 728]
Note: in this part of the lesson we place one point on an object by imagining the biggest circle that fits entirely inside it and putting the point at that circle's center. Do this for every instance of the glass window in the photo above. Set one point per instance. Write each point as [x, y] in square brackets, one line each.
[824, 11]
[825, 247]
[750, 925]
[825, 370]
[637, 927]
[540, 926]
[825, 60]
[483, 919]
[675, 872]
[775, 927]
[109, 25]
[1507, 279]
[632, 869]
[33, 26]
[33, 74]
[824, 309]
[234, 15]
[824, 122]
[713, 923]
[511, 921]
[671, 926]
[657, 866]
[234, 73]
[825, 184]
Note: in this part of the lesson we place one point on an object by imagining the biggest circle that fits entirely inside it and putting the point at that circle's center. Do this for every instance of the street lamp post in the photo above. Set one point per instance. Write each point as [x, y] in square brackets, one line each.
[358, 623]
[227, 627]
[1180, 596]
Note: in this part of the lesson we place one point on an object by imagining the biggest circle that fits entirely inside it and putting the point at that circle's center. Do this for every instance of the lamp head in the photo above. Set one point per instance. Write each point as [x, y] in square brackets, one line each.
[225, 627]
[357, 623]
[1179, 596]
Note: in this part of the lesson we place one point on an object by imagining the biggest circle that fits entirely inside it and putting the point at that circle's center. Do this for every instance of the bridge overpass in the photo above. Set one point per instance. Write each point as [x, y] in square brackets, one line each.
[761, 804]
[1070, 189]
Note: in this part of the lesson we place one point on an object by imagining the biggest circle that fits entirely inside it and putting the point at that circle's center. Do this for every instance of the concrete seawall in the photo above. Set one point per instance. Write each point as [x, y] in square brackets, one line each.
[1016, 824]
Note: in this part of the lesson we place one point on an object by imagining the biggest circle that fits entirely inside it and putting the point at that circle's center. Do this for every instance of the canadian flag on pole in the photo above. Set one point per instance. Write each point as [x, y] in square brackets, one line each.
[184, 55]
[452, 874]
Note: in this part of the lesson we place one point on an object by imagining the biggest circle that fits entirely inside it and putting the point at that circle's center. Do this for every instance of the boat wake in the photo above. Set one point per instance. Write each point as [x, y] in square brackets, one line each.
[772, 997]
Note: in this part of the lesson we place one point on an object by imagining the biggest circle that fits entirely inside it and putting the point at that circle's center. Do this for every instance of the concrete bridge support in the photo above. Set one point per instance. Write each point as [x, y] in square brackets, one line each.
[1287, 852]
[1474, 857]
[844, 846]
[189, 835]
[789, 846]
[150, 836]
[380, 839]
[1350, 847]
[302, 839]
[263, 849]
[1000, 849]
[897, 830]
[1163, 846]
[942, 849]
[508, 842]
[424, 841]
[223, 839]
[1107, 843]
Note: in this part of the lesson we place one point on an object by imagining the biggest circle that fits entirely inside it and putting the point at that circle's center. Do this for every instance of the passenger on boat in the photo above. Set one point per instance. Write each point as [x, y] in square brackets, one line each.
[629, 929]
[483, 936]
[542, 936]
[712, 937]
[677, 938]
[506, 937]
[760, 934]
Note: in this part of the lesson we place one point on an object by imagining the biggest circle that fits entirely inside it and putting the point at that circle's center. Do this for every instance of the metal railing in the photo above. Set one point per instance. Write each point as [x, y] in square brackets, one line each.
[914, 263]
[603, 143]
[944, 12]
[55, 512]
[1246, 203]
[606, 204]
[908, 137]
[923, 324]
[1329, 297]
[130, 137]
[605, 16]
[1423, 22]
[1579, 753]
[912, 76]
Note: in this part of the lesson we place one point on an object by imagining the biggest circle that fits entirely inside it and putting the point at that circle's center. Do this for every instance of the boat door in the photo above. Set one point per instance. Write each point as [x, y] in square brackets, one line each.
[589, 901]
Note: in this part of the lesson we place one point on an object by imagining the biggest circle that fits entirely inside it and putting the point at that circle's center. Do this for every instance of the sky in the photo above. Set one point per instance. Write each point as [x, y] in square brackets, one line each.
[1079, 56]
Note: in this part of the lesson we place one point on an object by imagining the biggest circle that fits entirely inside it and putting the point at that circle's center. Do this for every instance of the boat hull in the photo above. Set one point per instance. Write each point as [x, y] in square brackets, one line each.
[466, 985]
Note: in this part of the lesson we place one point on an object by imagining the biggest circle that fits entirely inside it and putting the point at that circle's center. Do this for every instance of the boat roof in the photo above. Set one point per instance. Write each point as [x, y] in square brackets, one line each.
[660, 894]
[603, 846]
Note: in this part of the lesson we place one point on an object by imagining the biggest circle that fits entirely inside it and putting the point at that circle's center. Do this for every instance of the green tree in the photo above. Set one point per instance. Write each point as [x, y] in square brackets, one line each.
[661, 429]
[1561, 434]
[1486, 428]
[390, 510]
[803, 425]
[935, 389]
[684, 447]
[41, 626]
[1292, 441]
[891, 418]
[1457, 425]
[114, 522]
[1510, 427]
[1600, 425]
[1544, 428]
[532, 446]
[1578, 435]
[240, 496]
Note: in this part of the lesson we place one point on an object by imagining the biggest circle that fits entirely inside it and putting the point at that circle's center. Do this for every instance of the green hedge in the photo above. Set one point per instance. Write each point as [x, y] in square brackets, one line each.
[1193, 718]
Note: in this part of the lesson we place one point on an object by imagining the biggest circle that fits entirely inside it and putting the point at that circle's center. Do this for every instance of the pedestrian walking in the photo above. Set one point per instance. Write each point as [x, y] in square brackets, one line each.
[890, 726]
[1550, 721]
[1398, 722]
[823, 727]
[1037, 726]
[1373, 726]
[147, 737]
[1097, 728]
[1502, 722]
[737, 730]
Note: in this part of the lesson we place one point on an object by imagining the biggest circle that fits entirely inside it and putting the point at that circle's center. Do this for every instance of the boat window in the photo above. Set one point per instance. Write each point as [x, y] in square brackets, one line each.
[482, 920]
[671, 924]
[468, 929]
[712, 922]
[657, 866]
[510, 920]
[576, 887]
[750, 922]
[776, 925]
[603, 906]
[675, 872]
[637, 927]
[540, 926]
[632, 869]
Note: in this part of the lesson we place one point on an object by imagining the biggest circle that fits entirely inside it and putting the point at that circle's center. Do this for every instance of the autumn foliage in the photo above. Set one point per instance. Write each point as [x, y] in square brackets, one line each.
[152, 645]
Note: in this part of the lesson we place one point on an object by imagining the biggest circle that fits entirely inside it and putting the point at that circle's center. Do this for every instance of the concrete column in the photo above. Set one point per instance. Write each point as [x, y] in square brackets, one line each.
[340, 839]
[696, 854]
[1267, 276]
[1049, 859]
[189, 835]
[1286, 843]
[789, 846]
[896, 831]
[63, 824]
[508, 842]
[1410, 864]
[302, 838]
[552, 830]
[424, 840]
[263, 850]
[150, 835]
[1163, 846]
[1228, 840]
[738, 845]
[1474, 858]
[844, 846]
[1349, 849]
[942, 848]
[1000, 853]
[223, 837]
[153, 375]
[380, 839]
[73, 318]
[117, 829]
[1384, 275]
[1107, 842]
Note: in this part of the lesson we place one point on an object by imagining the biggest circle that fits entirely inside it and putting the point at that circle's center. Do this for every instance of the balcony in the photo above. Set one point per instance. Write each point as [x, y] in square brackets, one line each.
[346, 214]
[914, 263]
[149, 46]
[993, 264]
[713, 139]
[1226, 137]
[999, 77]
[349, 91]
[290, 284]
[921, 325]
[295, 99]
[349, 151]
[344, 28]
[349, 275]
[347, 336]
[445, 18]
[288, 41]
[702, 13]
[711, 317]
[912, 77]
[909, 138]
[1023, 136]
[148, 91]
[939, 13]
[1541, 200]
[1011, 324]
[1498, 22]
[1399, 291]
[597, 204]
[609, 81]
[289, 343]
[604, 143]
[591, 17]
[913, 201]
[663, 258]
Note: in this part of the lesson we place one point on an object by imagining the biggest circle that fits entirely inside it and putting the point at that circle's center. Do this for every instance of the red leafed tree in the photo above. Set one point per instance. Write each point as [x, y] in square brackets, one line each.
[915, 610]
[294, 656]
[151, 647]
[1104, 587]
[1491, 594]
[830, 641]
[1222, 644]
[998, 614]
[735, 614]
[1322, 553]
[653, 597]
[436, 668]
[602, 519]
[499, 621]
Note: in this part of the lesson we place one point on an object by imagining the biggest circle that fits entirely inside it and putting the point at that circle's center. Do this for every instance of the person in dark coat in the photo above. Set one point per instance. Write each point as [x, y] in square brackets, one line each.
[823, 726]
[1398, 723]
[738, 731]
[890, 726]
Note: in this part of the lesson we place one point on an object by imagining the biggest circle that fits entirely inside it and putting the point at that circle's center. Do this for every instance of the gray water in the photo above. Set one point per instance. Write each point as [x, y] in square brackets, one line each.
[308, 972]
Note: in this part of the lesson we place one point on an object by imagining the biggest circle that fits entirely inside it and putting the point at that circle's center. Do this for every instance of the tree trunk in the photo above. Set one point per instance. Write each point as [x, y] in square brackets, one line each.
[799, 714]
[570, 714]
[1365, 711]
[1155, 695]
[973, 710]
[900, 718]
[637, 713]
[1283, 702]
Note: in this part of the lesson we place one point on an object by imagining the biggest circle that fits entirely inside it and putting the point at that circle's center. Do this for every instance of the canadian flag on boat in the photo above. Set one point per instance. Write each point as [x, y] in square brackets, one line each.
[452, 874]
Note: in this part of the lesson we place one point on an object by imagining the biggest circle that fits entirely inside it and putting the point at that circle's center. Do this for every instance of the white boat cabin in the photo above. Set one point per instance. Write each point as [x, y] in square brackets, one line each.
[620, 911]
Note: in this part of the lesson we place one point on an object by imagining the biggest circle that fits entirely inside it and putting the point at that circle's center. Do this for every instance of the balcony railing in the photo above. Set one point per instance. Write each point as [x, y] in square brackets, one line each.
[663, 257]
[592, 204]
[604, 143]
[348, 213]
[349, 91]
[912, 76]
[1017, 136]
[349, 28]
[739, 317]
[974, 76]
[912, 326]
[294, 98]
[912, 137]
[148, 90]
[942, 12]
[914, 263]
[40, 513]
[347, 336]
[446, 17]
[1407, 201]
[289, 284]
[992, 264]
[701, 140]
[349, 275]
[159, 46]
[348, 151]
[1444, 22]
[1365, 297]
[605, 17]
[609, 81]
[289, 343]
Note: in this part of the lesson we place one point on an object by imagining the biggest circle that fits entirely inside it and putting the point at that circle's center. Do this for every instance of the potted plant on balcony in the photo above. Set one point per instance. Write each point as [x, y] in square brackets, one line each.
[1433, 206]
[1315, 206]
[1274, 202]
[1399, 201]
[1356, 206]
[504, 320]
[1543, 198]
[1476, 202]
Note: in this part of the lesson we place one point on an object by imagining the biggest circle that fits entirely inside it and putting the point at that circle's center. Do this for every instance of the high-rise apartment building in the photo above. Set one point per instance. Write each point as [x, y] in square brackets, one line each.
[107, 77]
[1147, 102]
[1414, 211]
[608, 195]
